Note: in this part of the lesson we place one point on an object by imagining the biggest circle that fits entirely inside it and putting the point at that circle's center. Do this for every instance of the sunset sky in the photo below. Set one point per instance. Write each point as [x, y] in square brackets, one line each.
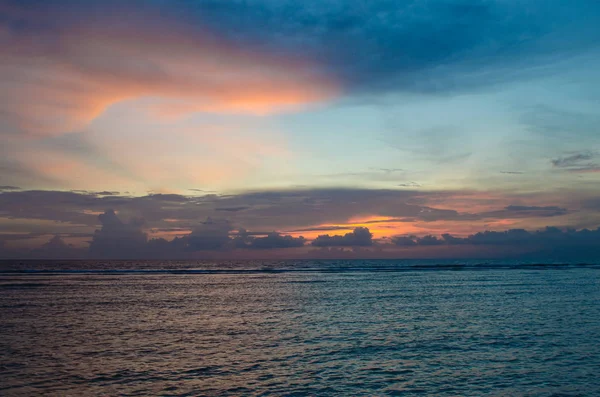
[235, 127]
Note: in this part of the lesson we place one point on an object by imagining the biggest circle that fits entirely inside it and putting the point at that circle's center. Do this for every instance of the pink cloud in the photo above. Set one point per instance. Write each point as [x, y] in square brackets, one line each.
[57, 79]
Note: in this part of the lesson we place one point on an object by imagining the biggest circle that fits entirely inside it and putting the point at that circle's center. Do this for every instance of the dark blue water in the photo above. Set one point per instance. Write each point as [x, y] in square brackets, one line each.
[299, 328]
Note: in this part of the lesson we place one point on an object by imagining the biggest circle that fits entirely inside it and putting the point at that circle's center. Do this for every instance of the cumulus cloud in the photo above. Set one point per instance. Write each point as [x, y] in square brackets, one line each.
[567, 243]
[57, 248]
[209, 235]
[429, 240]
[118, 239]
[276, 240]
[404, 241]
[309, 210]
[360, 237]
[173, 219]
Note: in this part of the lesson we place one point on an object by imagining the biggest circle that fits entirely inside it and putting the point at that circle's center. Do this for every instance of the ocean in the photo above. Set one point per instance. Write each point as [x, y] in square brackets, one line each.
[309, 328]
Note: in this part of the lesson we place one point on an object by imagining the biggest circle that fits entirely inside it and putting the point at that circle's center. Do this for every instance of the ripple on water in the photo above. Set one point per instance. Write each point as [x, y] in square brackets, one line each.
[501, 332]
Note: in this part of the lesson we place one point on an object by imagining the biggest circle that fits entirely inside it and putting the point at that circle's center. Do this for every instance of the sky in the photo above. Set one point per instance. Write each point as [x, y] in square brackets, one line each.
[285, 129]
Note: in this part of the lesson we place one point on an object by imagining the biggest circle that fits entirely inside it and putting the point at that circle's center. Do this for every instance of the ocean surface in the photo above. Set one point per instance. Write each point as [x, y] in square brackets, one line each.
[320, 328]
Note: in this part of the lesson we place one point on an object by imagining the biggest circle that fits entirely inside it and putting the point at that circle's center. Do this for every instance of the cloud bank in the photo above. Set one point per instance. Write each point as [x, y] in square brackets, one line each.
[172, 225]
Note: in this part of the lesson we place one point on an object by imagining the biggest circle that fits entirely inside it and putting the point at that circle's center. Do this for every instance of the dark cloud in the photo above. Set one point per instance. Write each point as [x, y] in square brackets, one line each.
[573, 160]
[209, 235]
[388, 220]
[429, 240]
[403, 241]
[524, 211]
[565, 244]
[9, 188]
[76, 214]
[57, 248]
[270, 210]
[360, 237]
[450, 239]
[534, 208]
[512, 172]
[118, 239]
[320, 229]
[276, 240]
[424, 46]
[428, 214]
[232, 209]
[582, 162]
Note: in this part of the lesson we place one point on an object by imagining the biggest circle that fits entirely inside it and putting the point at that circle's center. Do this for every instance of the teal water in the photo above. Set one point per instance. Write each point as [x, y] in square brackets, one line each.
[312, 328]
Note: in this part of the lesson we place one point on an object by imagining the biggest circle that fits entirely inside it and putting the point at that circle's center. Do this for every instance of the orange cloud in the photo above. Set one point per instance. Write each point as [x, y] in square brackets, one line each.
[379, 226]
[59, 80]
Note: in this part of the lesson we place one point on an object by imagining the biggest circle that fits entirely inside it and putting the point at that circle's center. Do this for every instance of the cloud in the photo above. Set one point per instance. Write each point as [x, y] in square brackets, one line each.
[574, 159]
[209, 235]
[403, 241]
[582, 162]
[560, 244]
[231, 209]
[203, 191]
[276, 240]
[286, 210]
[410, 184]
[319, 229]
[9, 188]
[57, 248]
[117, 239]
[360, 237]
[173, 220]
[525, 211]
[416, 46]
[32, 215]
[66, 62]
[429, 240]
[264, 56]
[391, 170]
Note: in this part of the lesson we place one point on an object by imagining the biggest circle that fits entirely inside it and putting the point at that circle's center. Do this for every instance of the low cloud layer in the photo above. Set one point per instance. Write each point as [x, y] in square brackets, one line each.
[117, 238]
[360, 237]
[561, 243]
[172, 225]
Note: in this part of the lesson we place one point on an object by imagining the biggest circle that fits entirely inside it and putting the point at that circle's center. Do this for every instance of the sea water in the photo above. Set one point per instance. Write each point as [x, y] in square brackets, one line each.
[348, 328]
